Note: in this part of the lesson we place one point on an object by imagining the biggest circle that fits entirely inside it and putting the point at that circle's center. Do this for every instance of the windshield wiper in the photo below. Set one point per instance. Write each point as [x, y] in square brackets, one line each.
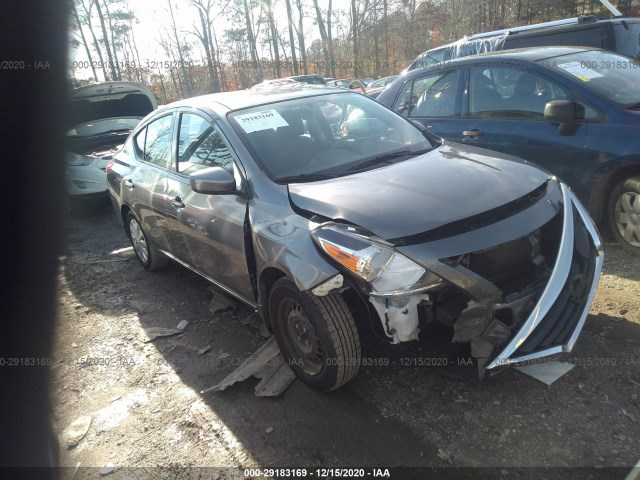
[633, 106]
[307, 177]
[385, 158]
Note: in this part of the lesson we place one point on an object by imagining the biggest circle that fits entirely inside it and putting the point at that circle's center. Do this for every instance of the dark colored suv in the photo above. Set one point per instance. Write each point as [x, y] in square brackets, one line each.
[573, 111]
[621, 35]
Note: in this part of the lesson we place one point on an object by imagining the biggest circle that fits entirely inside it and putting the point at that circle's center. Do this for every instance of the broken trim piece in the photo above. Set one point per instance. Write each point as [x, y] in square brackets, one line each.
[557, 279]
[266, 363]
[399, 317]
[325, 287]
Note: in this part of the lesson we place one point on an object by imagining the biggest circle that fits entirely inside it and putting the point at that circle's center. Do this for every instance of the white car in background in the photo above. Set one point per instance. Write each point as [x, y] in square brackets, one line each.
[101, 116]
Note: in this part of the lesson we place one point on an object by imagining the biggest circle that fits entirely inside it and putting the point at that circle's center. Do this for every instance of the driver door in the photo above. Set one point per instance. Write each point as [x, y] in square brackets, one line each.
[210, 229]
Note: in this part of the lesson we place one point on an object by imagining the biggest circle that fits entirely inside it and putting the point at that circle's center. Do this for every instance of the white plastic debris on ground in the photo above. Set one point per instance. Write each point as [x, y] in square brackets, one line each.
[547, 372]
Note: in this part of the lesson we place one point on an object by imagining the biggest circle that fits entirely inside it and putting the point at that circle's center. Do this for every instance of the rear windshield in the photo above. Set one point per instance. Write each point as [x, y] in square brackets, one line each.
[326, 136]
[612, 76]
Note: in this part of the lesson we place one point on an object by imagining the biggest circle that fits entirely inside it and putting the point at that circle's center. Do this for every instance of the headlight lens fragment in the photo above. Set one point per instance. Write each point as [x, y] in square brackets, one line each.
[389, 272]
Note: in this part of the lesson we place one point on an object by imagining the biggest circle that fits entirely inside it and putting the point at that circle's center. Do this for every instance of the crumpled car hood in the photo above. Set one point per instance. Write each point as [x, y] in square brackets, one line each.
[448, 184]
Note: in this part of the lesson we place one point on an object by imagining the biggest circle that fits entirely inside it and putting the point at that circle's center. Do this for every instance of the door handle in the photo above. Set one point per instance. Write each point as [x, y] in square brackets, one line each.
[129, 183]
[177, 202]
[472, 133]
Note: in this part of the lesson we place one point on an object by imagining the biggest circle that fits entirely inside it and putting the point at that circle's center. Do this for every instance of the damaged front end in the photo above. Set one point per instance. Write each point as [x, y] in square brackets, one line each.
[515, 283]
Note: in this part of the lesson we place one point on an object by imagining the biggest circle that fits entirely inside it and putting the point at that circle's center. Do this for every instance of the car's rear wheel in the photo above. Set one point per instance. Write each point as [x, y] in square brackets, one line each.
[317, 335]
[148, 255]
[624, 214]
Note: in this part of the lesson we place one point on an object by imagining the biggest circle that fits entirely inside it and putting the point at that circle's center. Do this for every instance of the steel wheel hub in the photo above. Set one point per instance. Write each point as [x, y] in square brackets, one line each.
[627, 212]
[303, 338]
[138, 240]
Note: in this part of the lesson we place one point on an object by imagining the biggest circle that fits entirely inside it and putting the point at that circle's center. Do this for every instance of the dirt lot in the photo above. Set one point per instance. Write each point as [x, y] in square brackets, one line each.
[146, 409]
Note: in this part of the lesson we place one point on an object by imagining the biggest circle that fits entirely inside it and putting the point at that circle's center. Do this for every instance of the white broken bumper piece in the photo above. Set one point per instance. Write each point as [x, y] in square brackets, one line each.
[399, 316]
[266, 363]
[325, 287]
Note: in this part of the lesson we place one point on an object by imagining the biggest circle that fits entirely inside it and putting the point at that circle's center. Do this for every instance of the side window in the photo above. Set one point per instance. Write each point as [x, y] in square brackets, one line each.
[201, 146]
[157, 140]
[510, 93]
[430, 96]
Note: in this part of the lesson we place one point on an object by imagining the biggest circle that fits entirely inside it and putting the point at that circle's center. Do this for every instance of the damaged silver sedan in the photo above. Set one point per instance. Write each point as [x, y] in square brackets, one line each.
[327, 213]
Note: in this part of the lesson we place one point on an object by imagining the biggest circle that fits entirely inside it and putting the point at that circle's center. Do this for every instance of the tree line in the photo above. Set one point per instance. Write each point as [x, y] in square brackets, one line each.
[234, 44]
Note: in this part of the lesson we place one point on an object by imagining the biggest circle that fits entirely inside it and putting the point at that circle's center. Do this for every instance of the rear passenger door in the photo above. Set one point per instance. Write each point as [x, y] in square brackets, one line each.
[207, 231]
[503, 110]
[434, 100]
[146, 185]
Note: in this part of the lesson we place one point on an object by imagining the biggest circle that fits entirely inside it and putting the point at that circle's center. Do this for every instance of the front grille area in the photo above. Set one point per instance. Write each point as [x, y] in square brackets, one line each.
[558, 324]
[557, 318]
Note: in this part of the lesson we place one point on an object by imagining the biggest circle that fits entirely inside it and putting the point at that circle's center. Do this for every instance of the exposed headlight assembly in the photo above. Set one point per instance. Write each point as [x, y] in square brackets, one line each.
[77, 160]
[387, 271]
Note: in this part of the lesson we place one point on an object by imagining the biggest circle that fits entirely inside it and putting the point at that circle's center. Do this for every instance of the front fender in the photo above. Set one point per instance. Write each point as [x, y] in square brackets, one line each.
[287, 246]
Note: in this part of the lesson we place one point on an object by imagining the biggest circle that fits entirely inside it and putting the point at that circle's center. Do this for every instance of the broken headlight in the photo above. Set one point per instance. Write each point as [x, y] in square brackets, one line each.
[387, 271]
[76, 160]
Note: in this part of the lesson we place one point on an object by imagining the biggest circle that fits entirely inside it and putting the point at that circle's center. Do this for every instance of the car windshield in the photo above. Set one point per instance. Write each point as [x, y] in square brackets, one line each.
[615, 77]
[105, 125]
[326, 136]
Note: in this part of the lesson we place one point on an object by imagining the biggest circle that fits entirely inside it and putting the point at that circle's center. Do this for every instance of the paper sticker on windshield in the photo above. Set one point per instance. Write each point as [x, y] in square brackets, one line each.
[254, 122]
[579, 70]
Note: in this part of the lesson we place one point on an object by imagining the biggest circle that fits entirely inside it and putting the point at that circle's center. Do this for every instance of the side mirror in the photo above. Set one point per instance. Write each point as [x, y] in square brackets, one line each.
[564, 112]
[214, 180]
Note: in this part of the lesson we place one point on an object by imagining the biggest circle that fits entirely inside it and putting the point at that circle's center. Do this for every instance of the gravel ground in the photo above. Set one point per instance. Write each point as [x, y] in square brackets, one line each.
[146, 411]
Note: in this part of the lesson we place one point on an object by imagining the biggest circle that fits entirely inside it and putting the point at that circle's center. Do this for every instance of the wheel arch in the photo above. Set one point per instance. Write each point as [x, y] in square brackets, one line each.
[268, 277]
[599, 199]
[124, 213]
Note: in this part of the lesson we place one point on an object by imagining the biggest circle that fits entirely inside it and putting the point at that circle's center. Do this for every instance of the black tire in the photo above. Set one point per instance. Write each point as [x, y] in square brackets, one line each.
[325, 356]
[623, 214]
[153, 259]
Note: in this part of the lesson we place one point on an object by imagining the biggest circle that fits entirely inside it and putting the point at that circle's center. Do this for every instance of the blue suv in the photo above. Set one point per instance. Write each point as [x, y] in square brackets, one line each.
[573, 111]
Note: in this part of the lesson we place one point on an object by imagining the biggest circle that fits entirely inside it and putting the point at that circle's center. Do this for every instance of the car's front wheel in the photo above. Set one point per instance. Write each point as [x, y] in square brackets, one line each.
[147, 253]
[317, 335]
[624, 214]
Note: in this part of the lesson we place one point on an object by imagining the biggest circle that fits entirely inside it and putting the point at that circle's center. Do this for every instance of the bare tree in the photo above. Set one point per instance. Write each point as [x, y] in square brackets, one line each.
[274, 39]
[204, 35]
[303, 51]
[96, 44]
[294, 61]
[354, 28]
[84, 41]
[186, 89]
[324, 37]
[113, 41]
[105, 37]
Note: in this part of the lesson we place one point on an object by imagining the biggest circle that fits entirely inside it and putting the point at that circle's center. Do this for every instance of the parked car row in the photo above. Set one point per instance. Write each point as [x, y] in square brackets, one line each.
[329, 213]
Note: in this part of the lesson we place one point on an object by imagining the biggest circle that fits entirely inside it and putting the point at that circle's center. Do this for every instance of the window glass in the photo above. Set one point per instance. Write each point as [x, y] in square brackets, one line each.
[428, 58]
[510, 93]
[612, 76]
[201, 146]
[157, 142]
[326, 136]
[430, 96]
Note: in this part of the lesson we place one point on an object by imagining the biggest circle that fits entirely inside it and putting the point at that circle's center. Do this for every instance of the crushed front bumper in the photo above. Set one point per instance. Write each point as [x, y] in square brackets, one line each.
[538, 313]
[559, 315]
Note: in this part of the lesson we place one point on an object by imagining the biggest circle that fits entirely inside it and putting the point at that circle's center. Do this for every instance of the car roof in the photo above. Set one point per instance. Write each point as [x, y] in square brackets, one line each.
[258, 95]
[531, 54]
